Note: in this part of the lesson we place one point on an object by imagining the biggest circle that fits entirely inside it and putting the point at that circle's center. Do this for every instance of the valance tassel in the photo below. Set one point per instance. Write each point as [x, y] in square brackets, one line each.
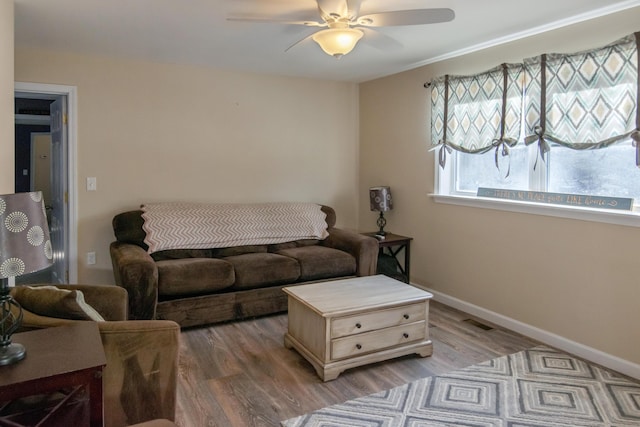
[502, 148]
[543, 145]
[635, 137]
[442, 153]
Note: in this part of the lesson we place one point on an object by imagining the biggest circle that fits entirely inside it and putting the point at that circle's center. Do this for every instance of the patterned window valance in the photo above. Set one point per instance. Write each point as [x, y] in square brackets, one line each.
[475, 113]
[586, 100]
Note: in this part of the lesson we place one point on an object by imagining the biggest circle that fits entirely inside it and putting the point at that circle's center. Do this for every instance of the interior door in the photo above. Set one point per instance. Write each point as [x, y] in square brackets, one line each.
[41, 165]
[59, 213]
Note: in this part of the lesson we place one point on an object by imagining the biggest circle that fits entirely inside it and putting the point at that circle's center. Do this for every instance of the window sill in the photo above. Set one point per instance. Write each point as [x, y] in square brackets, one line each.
[628, 218]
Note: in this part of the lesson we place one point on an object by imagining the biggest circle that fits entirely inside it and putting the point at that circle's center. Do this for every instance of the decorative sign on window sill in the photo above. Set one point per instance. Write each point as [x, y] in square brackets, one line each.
[599, 202]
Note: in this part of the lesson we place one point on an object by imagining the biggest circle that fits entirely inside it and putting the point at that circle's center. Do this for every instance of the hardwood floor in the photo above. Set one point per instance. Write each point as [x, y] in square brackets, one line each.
[240, 374]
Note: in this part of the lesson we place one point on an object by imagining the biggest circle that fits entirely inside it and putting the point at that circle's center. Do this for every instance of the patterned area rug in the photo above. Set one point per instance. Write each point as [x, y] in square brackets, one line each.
[533, 388]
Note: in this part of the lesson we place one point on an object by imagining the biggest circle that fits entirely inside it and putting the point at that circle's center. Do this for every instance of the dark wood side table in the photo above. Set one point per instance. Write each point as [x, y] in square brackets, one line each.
[392, 246]
[69, 358]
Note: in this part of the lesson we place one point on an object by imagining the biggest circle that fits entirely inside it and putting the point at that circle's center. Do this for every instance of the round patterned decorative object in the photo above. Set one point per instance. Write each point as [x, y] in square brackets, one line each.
[25, 245]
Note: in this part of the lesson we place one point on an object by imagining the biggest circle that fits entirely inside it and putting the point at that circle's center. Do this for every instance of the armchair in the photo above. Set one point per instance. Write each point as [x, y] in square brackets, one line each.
[139, 380]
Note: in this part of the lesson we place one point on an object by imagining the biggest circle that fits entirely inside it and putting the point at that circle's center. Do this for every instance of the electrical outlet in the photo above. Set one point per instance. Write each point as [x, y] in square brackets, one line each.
[91, 258]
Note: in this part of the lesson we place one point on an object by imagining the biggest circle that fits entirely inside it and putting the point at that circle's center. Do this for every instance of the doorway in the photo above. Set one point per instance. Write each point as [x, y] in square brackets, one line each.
[45, 161]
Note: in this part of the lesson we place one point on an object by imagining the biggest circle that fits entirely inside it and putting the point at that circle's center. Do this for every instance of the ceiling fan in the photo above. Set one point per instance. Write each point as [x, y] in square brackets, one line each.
[344, 26]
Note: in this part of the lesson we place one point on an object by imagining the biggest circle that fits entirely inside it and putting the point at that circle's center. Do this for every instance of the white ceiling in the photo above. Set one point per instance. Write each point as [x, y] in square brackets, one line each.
[197, 32]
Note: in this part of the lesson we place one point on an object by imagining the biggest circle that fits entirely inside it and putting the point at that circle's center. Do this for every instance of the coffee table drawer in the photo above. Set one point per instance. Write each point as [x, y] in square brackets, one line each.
[364, 322]
[376, 340]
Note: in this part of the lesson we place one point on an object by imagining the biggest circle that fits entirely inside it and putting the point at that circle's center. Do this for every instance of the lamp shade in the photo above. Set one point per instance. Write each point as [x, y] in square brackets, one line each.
[25, 246]
[337, 41]
[380, 199]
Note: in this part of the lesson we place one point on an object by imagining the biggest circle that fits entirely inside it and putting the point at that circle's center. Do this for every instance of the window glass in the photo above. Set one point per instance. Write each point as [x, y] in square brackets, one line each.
[479, 170]
[609, 171]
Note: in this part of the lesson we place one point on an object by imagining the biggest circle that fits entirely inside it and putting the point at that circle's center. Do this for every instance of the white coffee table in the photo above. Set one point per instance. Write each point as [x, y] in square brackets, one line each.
[346, 323]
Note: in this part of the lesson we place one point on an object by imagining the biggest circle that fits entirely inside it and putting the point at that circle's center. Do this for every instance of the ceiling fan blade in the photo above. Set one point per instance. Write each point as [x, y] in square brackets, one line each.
[407, 17]
[332, 9]
[379, 40]
[267, 20]
[300, 41]
[353, 9]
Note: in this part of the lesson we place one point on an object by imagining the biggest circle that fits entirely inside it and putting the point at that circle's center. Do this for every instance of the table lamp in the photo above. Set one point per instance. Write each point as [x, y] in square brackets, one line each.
[25, 248]
[380, 201]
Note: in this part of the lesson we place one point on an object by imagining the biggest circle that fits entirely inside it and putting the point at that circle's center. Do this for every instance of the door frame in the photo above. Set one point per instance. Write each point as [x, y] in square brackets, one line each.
[71, 93]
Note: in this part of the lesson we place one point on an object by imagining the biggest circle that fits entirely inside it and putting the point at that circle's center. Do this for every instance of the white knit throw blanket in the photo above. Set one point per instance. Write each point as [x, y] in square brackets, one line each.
[204, 226]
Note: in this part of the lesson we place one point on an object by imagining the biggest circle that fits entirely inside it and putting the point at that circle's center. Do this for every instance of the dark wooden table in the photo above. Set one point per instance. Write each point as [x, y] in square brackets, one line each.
[394, 245]
[61, 358]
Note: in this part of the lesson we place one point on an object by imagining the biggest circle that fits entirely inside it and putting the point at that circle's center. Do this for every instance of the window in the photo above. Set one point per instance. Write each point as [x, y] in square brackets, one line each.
[479, 170]
[559, 123]
[607, 172]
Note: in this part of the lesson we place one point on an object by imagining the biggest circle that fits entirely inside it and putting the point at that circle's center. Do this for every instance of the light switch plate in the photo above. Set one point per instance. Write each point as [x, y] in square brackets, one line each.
[92, 183]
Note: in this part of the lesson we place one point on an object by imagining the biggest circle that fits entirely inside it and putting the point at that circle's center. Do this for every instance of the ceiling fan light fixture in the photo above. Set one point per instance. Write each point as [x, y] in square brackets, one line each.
[337, 41]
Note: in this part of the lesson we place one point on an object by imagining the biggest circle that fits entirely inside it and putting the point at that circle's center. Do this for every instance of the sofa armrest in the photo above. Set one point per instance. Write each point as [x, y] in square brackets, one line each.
[363, 248]
[140, 378]
[136, 271]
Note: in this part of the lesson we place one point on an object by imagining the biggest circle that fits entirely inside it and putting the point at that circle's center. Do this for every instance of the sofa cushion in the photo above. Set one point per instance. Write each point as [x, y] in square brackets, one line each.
[181, 253]
[331, 216]
[280, 246]
[127, 226]
[275, 248]
[50, 301]
[263, 269]
[307, 242]
[190, 276]
[237, 250]
[319, 262]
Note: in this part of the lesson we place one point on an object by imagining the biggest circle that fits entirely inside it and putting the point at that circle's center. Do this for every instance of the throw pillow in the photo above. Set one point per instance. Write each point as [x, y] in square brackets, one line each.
[54, 302]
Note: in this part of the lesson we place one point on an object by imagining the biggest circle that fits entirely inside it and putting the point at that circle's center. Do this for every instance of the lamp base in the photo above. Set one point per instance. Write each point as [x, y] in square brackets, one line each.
[12, 353]
[381, 223]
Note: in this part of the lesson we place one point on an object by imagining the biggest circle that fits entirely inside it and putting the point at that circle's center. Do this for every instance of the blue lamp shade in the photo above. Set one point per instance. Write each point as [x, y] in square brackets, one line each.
[25, 245]
[380, 199]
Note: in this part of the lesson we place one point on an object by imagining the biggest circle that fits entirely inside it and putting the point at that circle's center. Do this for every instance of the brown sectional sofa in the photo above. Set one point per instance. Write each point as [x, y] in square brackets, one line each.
[201, 286]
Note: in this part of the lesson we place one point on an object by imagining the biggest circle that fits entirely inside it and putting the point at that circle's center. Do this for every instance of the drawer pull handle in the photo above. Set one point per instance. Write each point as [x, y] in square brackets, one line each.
[406, 335]
[358, 325]
[358, 346]
[406, 316]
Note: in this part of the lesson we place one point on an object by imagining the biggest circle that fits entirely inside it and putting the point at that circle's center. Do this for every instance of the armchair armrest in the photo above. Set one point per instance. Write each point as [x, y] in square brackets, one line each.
[363, 248]
[140, 378]
[32, 321]
[136, 271]
[108, 300]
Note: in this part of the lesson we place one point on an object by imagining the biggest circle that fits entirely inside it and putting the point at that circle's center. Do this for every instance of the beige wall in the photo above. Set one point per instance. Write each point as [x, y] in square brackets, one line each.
[159, 132]
[572, 278]
[153, 132]
[7, 128]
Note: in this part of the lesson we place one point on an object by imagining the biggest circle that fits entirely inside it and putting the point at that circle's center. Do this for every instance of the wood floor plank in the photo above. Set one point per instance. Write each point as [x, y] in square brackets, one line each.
[240, 374]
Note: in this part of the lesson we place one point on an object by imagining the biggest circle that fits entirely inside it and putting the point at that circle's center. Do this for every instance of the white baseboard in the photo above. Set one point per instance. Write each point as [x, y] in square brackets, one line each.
[596, 356]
